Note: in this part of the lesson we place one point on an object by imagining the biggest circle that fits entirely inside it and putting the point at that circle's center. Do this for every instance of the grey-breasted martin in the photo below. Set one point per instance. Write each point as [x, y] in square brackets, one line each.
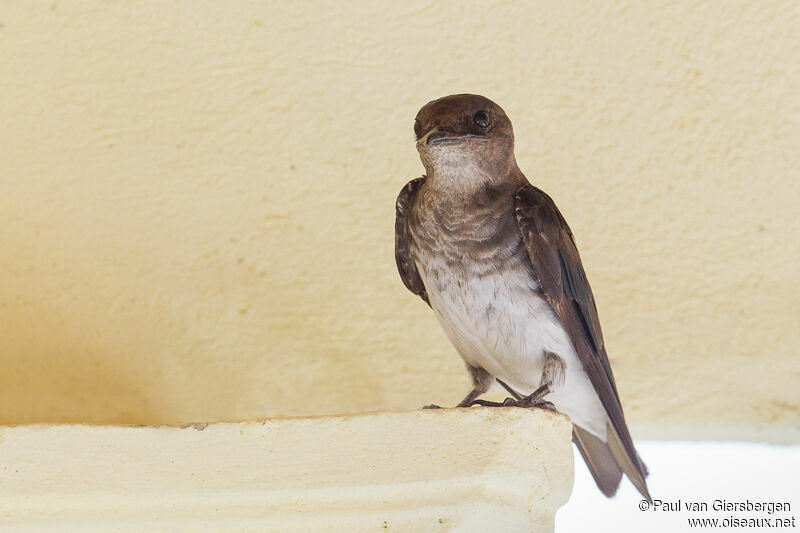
[495, 260]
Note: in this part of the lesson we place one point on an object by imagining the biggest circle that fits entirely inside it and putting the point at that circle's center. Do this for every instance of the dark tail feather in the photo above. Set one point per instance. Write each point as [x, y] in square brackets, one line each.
[598, 457]
[633, 467]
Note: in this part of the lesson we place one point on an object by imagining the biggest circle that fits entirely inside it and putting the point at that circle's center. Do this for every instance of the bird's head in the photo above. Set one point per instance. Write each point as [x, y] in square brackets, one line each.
[463, 131]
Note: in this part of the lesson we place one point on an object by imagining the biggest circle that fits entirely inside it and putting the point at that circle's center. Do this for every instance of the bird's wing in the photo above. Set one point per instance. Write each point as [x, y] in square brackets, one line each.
[402, 240]
[555, 260]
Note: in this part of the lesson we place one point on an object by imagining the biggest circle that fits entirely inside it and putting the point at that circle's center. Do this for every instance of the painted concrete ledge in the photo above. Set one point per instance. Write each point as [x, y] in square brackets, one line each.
[498, 470]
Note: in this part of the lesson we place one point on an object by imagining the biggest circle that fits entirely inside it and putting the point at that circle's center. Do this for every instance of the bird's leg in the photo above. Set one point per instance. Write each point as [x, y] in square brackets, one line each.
[481, 381]
[512, 392]
[552, 375]
[534, 399]
[469, 398]
[466, 402]
[508, 402]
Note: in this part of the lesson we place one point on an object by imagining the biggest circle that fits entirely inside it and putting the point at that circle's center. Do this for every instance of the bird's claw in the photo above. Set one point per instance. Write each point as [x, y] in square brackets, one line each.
[541, 404]
[527, 402]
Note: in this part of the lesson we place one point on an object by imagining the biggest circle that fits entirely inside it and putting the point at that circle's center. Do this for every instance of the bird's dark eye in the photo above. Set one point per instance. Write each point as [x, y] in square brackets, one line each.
[481, 119]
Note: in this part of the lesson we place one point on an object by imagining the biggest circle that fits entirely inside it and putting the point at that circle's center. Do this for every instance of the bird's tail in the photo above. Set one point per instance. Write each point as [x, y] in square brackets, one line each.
[598, 457]
[607, 461]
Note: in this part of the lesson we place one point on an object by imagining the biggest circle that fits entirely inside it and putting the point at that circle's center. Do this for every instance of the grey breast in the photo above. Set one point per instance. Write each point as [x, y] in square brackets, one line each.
[455, 239]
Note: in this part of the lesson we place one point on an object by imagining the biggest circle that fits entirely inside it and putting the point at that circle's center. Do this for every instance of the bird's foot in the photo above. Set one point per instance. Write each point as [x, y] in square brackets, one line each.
[509, 402]
[538, 404]
[525, 402]
[431, 406]
[536, 399]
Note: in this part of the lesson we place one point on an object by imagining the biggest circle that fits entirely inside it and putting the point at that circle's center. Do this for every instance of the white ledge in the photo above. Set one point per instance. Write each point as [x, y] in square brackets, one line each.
[440, 470]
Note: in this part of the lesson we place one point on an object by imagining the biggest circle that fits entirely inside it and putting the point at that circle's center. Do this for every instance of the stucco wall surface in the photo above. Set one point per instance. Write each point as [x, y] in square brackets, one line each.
[196, 201]
[427, 471]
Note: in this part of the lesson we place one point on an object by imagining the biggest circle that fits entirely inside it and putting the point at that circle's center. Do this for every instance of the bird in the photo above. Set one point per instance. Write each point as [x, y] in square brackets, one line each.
[496, 262]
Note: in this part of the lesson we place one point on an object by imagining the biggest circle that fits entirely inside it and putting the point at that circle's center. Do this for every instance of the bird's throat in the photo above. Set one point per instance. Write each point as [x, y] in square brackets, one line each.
[470, 184]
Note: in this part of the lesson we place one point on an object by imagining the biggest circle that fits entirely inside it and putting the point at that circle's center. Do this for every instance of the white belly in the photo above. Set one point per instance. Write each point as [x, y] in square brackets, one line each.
[500, 323]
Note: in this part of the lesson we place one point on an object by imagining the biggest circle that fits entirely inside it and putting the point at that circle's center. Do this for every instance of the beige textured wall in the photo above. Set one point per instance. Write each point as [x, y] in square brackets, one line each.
[440, 471]
[196, 201]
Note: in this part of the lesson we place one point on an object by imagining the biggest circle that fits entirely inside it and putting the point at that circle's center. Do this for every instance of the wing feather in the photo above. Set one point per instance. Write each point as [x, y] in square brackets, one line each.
[402, 240]
[557, 264]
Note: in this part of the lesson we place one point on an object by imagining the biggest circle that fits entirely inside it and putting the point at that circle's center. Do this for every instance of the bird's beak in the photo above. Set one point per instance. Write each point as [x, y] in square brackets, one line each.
[436, 137]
